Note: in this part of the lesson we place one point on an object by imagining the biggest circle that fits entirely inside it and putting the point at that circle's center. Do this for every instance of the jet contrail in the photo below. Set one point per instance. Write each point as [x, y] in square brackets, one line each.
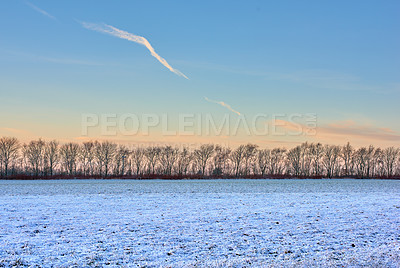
[108, 29]
[223, 104]
[39, 10]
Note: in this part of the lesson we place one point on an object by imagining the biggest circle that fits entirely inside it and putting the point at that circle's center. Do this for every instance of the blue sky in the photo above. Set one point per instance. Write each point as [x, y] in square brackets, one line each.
[338, 59]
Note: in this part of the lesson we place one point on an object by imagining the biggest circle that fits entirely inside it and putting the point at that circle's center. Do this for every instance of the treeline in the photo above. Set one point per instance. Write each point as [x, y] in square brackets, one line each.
[41, 159]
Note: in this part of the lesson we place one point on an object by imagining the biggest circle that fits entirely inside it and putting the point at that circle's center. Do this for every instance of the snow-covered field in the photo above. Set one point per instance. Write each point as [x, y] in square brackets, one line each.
[221, 223]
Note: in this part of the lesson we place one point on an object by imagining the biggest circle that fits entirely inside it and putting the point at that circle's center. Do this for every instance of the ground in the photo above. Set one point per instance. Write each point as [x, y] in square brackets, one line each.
[200, 223]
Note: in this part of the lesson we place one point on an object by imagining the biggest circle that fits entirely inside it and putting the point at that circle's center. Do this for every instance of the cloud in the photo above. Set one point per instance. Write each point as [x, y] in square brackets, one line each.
[341, 131]
[314, 78]
[40, 10]
[22, 134]
[223, 104]
[69, 61]
[34, 57]
[349, 128]
[14, 130]
[108, 29]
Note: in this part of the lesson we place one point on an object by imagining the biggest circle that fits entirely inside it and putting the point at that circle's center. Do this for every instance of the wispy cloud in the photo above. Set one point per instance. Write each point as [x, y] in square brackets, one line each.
[350, 128]
[64, 60]
[69, 61]
[223, 104]
[340, 131]
[23, 135]
[40, 10]
[14, 130]
[314, 78]
[108, 29]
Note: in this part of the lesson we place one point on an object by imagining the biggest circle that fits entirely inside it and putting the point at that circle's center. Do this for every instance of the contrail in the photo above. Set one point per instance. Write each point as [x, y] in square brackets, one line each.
[39, 10]
[223, 104]
[108, 29]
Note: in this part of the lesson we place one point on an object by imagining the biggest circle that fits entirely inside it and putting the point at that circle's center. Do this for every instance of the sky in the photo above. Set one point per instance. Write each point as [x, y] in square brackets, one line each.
[335, 63]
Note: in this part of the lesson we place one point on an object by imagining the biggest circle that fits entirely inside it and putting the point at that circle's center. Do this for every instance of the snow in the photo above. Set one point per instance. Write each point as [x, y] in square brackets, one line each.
[217, 223]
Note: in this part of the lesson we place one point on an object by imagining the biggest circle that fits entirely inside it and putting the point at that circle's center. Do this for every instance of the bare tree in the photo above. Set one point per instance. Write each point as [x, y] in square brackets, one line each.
[41, 158]
[220, 160]
[331, 154]
[203, 154]
[249, 155]
[305, 159]
[87, 156]
[168, 157]
[99, 157]
[294, 157]
[316, 154]
[389, 159]
[69, 154]
[152, 154]
[195, 167]
[237, 157]
[183, 162]
[9, 148]
[360, 160]
[263, 160]
[105, 152]
[369, 160]
[51, 156]
[347, 152]
[120, 160]
[33, 152]
[137, 157]
[378, 164]
[276, 163]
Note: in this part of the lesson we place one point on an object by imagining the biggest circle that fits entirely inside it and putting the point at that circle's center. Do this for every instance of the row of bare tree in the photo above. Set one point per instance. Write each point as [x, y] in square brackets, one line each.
[39, 158]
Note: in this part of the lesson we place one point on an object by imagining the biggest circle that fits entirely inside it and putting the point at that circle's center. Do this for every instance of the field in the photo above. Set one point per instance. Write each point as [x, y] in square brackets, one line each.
[240, 223]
